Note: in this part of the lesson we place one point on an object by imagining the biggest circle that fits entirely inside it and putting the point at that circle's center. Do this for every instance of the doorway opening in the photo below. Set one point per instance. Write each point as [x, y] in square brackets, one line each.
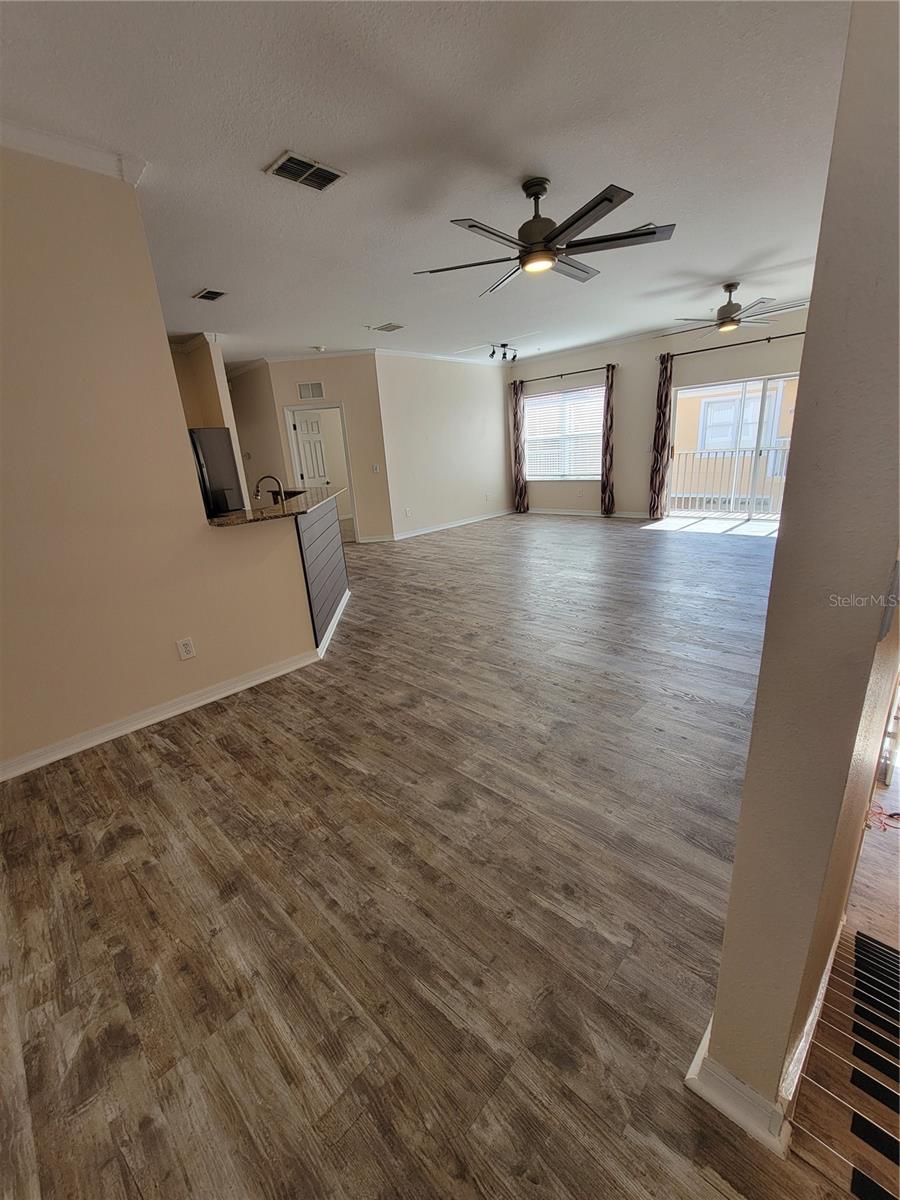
[730, 447]
[318, 446]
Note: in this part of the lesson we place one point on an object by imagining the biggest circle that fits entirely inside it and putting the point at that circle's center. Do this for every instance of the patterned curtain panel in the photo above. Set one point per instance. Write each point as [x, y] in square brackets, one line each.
[607, 493]
[661, 438]
[520, 484]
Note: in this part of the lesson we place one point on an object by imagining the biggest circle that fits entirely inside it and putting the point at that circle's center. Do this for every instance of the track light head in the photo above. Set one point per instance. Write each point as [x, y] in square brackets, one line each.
[493, 352]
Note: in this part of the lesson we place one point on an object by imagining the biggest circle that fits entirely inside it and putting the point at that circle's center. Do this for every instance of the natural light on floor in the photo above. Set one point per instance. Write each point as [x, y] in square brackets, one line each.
[698, 524]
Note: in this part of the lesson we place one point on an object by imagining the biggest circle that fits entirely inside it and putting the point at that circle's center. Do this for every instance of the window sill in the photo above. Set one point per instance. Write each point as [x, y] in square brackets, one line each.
[563, 479]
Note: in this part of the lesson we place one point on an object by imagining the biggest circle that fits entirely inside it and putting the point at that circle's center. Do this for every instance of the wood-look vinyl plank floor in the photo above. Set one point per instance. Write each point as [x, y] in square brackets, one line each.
[437, 917]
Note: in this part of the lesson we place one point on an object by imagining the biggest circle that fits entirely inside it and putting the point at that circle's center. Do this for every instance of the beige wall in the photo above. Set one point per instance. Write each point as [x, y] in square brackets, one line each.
[635, 398]
[261, 449]
[351, 382]
[106, 553]
[197, 386]
[445, 433]
[824, 681]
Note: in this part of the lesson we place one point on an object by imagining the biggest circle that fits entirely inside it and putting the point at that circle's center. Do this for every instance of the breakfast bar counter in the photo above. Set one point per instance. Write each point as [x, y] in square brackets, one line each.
[297, 506]
[321, 551]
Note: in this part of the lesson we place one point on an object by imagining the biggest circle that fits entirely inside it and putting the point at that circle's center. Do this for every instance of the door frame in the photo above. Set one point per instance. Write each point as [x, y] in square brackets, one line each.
[763, 417]
[319, 406]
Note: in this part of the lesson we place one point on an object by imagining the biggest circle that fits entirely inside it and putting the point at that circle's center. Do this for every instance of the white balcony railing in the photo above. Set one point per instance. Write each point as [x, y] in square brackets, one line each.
[745, 482]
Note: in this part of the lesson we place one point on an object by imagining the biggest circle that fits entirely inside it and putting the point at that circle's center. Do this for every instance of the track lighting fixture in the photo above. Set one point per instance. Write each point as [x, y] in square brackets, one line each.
[508, 353]
[493, 352]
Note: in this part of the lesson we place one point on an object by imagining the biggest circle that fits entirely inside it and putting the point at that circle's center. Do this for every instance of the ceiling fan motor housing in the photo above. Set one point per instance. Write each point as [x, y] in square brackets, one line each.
[536, 230]
[730, 309]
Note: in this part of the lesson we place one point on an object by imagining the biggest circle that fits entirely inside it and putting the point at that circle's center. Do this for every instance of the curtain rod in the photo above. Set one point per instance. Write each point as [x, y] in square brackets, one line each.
[731, 345]
[564, 374]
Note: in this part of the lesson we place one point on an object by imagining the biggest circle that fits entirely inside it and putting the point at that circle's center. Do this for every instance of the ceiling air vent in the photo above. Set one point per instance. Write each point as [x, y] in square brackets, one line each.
[390, 327]
[307, 171]
[208, 294]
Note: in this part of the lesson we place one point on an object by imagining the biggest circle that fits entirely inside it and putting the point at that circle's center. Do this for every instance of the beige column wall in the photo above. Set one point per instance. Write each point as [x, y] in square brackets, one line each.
[262, 453]
[351, 382]
[445, 432]
[825, 679]
[107, 557]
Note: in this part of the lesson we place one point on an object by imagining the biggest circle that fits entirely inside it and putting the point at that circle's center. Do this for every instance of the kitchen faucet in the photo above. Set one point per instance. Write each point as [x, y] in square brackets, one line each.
[257, 494]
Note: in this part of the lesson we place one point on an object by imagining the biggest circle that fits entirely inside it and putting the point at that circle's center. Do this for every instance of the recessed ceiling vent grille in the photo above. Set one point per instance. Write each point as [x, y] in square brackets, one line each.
[390, 327]
[208, 294]
[307, 171]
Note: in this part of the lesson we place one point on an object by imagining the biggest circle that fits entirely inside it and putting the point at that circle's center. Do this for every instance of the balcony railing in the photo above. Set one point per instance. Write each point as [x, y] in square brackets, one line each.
[746, 482]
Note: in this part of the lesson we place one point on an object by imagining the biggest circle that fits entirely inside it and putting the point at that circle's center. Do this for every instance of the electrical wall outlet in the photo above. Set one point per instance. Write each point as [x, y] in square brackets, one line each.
[186, 648]
[581, 491]
[485, 497]
[408, 511]
[376, 468]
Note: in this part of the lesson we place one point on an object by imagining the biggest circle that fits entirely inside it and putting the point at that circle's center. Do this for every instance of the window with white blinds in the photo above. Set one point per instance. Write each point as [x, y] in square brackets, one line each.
[564, 434]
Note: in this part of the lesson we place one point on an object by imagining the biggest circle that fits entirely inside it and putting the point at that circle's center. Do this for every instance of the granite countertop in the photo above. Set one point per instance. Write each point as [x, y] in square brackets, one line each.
[295, 507]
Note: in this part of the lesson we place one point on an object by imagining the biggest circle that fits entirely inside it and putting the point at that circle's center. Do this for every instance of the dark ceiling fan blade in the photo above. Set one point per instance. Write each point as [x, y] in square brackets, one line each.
[746, 308]
[678, 332]
[631, 237]
[777, 309]
[485, 262]
[574, 270]
[502, 282]
[496, 235]
[694, 320]
[589, 214]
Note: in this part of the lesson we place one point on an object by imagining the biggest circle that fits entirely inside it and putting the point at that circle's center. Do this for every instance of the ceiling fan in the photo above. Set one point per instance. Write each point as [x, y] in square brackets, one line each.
[731, 315]
[542, 245]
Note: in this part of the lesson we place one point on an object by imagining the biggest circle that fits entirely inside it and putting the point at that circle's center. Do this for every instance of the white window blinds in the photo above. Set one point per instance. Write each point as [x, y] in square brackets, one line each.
[564, 434]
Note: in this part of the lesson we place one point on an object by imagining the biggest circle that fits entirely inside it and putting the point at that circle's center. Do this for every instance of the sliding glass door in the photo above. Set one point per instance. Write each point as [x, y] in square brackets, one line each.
[730, 447]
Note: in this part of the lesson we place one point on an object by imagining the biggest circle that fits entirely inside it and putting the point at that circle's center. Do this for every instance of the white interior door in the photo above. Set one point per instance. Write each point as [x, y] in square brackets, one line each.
[310, 448]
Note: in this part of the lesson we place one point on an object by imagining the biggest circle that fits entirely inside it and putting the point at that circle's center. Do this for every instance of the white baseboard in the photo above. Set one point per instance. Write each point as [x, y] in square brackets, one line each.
[329, 632]
[567, 512]
[763, 1120]
[382, 537]
[150, 716]
[585, 512]
[408, 533]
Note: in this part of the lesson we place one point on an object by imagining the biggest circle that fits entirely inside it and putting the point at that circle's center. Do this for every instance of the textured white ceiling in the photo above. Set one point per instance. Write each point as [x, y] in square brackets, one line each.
[718, 116]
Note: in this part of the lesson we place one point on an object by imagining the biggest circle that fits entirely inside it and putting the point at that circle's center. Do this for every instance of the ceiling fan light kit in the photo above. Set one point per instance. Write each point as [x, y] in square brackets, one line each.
[542, 245]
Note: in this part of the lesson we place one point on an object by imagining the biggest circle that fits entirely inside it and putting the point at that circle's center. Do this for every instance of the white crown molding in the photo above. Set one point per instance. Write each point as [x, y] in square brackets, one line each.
[202, 339]
[150, 716]
[752, 1112]
[126, 167]
[374, 351]
[454, 358]
[242, 368]
[317, 354]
